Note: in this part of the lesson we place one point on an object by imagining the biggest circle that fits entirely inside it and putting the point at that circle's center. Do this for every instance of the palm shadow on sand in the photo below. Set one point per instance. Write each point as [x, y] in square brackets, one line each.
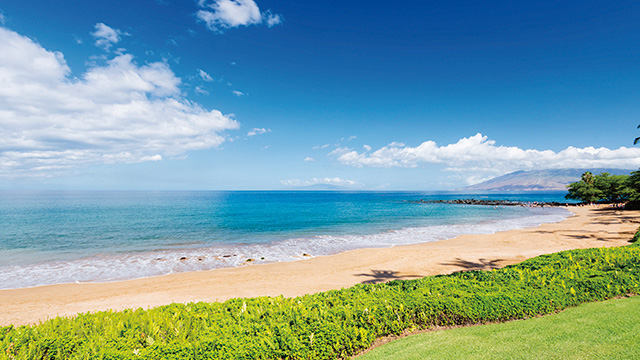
[380, 276]
[481, 264]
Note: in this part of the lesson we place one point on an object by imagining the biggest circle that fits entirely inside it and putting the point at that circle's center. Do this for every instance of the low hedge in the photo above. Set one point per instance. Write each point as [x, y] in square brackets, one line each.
[333, 324]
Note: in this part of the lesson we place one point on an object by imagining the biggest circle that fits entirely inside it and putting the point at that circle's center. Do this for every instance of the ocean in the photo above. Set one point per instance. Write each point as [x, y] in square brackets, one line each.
[53, 237]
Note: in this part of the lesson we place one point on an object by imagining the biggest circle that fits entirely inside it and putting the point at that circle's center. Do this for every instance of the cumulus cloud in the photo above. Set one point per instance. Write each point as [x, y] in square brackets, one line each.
[119, 112]
[237, 93]
[336, 181]
[219, 15]
[482, 154]
[204, 75]
[107, 36]
[258, 131]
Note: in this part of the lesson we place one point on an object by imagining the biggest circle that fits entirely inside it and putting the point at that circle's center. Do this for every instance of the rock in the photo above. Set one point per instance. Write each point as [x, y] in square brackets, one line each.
[491, 202]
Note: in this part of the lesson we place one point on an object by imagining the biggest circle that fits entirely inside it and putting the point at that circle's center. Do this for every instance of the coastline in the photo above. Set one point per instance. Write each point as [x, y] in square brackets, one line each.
[588, 227]
[120, 264]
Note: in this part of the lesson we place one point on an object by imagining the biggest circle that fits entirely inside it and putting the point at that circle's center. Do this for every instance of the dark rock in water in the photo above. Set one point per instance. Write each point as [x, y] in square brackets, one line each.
[183, 258]
[226, 256]
[492, 202]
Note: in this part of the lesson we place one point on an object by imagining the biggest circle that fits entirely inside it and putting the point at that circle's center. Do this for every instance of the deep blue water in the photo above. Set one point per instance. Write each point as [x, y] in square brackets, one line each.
[56, 237]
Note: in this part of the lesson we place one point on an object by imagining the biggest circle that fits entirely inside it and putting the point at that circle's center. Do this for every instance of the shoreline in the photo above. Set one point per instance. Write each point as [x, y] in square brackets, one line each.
[588, 227]
[302, 257]
[110, 267]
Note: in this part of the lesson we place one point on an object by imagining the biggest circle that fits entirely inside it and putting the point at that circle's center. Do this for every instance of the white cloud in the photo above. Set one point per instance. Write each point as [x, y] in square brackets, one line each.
[107, 36]
[3, 19]
[258, 131]
[318, 147]
[309, 159]
[238, 93]
[200, 90]
[219, 15]
[272, 19]
[482, 154]
[336, 181]
[339, 151]
[204, 75]
[474, 179]
[118, 112]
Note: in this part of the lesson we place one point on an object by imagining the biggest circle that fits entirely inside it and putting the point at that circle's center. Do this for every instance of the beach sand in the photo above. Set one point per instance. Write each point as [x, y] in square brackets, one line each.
[589, 227]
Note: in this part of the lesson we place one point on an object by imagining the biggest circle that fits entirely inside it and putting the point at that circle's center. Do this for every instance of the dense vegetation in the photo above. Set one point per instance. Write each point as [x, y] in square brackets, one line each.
[606, 188]
[332, 324]
[599, 330]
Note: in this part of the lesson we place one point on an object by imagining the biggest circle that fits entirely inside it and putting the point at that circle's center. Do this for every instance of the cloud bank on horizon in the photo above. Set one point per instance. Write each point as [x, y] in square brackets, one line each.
[479, 153]
[335, 181]
[120, 112]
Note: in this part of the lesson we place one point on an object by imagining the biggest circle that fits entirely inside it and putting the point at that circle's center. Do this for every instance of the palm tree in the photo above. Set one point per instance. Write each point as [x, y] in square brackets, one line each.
[637, 139]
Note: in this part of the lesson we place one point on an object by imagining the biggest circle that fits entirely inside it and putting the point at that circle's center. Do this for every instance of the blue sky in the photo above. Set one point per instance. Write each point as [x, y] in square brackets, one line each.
[244, 94]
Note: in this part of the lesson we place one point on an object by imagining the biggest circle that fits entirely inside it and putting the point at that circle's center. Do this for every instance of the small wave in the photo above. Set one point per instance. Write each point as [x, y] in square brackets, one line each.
[104, 268]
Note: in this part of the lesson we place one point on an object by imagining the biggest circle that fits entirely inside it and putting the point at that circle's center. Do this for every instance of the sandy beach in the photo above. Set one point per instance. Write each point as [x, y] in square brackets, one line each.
[589, 227]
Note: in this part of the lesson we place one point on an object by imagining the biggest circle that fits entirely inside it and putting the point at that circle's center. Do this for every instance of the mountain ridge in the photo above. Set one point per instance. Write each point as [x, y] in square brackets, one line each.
[537, 180]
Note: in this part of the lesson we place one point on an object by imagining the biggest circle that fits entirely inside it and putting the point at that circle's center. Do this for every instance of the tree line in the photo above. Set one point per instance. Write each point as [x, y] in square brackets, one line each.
[606, 188]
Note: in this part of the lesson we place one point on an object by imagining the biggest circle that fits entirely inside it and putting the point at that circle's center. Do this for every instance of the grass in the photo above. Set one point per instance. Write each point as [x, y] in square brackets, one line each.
[602, 330]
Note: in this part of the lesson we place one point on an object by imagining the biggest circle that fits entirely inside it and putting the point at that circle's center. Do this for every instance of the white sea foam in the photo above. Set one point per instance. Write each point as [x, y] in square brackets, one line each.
[137, 265]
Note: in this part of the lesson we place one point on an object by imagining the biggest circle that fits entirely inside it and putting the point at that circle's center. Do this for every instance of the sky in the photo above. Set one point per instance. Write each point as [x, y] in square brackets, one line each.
[281, 95]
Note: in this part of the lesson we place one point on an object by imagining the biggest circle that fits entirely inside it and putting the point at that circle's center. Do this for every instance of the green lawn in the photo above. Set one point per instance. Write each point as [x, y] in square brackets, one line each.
[603, 330]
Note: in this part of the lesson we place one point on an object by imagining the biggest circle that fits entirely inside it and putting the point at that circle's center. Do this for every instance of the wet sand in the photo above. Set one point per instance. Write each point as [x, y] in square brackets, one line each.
[589, 227]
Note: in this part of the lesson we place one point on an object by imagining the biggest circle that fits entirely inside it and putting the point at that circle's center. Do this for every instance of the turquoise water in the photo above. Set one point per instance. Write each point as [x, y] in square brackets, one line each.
[61, 237]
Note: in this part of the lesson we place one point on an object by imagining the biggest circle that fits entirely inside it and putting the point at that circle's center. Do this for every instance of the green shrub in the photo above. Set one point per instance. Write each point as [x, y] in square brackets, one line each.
[333, 324]
[636, 237]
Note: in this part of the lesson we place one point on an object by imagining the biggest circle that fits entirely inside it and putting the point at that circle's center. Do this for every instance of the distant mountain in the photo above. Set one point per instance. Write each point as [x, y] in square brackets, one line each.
[537, 180]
